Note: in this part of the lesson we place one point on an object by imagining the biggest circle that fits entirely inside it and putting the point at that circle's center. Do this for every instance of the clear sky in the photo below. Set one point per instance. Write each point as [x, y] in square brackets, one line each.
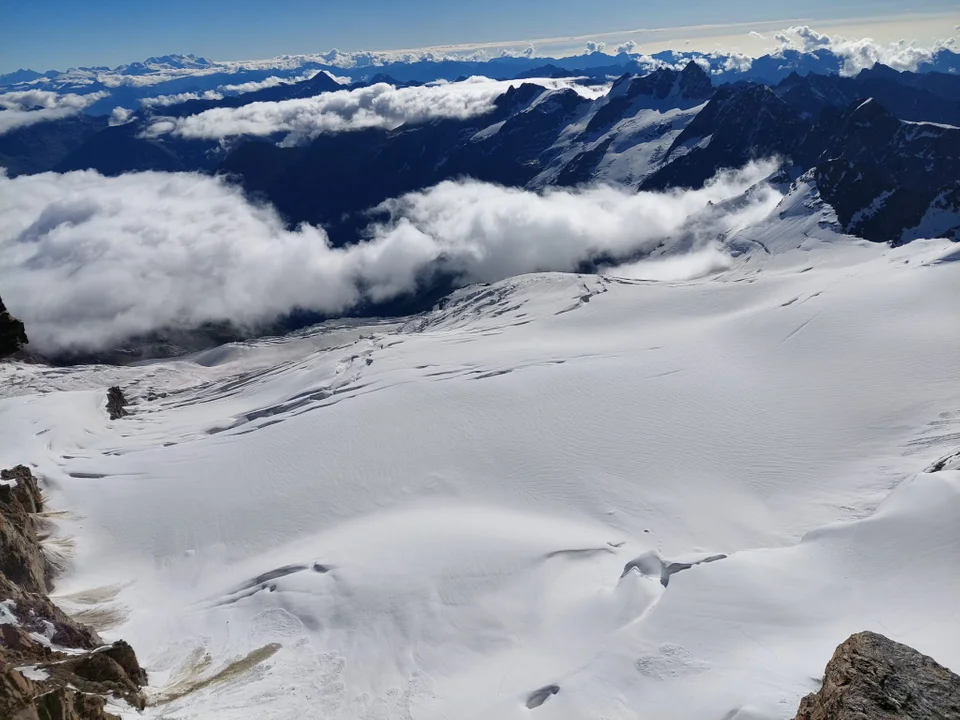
[56, 34]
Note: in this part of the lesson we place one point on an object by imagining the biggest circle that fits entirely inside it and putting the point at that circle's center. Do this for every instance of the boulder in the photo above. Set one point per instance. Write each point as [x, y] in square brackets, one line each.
[871, 677]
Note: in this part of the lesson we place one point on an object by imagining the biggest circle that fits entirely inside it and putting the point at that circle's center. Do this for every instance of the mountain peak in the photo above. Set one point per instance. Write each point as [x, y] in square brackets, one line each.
[694, 82]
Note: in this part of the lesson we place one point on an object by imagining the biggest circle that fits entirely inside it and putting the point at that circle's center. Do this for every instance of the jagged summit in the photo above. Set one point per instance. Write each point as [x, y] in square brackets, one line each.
[665, 82]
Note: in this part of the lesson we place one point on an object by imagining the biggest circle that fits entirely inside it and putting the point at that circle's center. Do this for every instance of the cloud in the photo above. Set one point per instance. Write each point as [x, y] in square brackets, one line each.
[861, 54]
[734, 62]
[697, 264]
[754, 33]
[120, 116]
[528, 52]
[593, 47]
[26, 107]
[381, 105]
[274, 81]
[164, 100]
[626, 48]
[87, 261]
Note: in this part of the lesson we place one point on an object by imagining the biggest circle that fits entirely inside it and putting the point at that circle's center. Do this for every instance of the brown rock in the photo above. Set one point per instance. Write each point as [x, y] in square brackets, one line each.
[16, 693]
[870, 677]
[76, 685]
[64, 704]
[126, 658]
[25, 491]
[18, 640]
[21, 559]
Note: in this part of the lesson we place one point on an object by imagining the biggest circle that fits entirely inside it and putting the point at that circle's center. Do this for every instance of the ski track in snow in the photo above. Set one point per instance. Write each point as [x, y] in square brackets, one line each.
[572, 496]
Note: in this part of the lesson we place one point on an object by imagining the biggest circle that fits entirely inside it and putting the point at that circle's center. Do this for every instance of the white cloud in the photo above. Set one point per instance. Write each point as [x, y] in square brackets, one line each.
[26, 107]
[863, 53]
[274, 81]
[528, 52]
[626, 48]
[87, 261]
[737, 62]
[754, 33]
[699, 263]
[164, 100]
[593, 47]
[381, 105]
[120, 116]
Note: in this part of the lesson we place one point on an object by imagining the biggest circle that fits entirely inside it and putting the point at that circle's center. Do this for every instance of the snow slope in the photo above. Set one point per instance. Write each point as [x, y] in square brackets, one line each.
[560, 495]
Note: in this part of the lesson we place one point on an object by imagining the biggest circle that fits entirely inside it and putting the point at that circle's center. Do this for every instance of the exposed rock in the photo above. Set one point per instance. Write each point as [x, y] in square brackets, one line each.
[870, 677]
[35, 628]
[21, 559]
[116, 403]
[13, 336]
[23, 699]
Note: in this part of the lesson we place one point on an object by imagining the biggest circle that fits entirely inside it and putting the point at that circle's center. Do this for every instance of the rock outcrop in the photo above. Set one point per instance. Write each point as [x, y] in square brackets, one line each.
[116, 403]
[13, 336]
[35, 632]
[870, 677]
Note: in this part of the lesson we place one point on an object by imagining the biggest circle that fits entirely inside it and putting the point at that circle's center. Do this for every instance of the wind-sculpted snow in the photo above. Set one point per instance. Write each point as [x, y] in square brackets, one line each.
[87, 261]
[520, 502]
[381, 105]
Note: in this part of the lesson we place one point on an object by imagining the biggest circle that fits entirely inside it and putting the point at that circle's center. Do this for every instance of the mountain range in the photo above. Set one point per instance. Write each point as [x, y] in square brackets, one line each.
[884, 145]
[127, 85]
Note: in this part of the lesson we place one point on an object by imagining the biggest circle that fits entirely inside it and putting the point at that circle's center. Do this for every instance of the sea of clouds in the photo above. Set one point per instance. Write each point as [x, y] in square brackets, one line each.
[87, 261]
[863, 53]
[381, 105]
[27, 107]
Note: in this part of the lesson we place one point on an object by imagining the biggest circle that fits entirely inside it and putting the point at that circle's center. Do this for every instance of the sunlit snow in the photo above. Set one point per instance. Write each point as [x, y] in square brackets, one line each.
[555, 497]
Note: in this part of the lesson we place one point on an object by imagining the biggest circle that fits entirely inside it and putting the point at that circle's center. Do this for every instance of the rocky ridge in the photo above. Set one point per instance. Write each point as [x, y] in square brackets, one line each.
[51, 666]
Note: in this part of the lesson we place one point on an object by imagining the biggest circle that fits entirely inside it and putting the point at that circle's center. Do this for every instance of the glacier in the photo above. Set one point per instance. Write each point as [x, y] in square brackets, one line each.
[643, 493]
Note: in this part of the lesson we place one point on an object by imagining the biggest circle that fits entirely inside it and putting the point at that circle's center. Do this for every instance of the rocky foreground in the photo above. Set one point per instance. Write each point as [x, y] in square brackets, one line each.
[871, 677]
[51, 667]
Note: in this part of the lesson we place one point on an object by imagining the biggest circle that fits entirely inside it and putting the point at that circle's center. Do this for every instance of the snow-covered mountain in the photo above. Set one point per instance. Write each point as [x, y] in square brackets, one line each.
[453, 387]
[664, 491]
[130, 83]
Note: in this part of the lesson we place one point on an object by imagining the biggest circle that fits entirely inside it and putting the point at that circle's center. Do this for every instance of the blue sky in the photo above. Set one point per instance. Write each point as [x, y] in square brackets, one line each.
[46, 34]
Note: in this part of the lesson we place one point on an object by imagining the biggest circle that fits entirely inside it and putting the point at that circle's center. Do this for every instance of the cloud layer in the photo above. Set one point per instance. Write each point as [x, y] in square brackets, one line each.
[87, 261]
[26, 107]
[381, 105]
[864, 53]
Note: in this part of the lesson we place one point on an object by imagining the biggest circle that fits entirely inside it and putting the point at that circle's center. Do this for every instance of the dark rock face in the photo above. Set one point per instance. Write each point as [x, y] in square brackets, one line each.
[76, 683]
[42, 146]
[687, 88]
[13, 336]
[116, 403]
[873, 678]
[882, 174]
[741, 123]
